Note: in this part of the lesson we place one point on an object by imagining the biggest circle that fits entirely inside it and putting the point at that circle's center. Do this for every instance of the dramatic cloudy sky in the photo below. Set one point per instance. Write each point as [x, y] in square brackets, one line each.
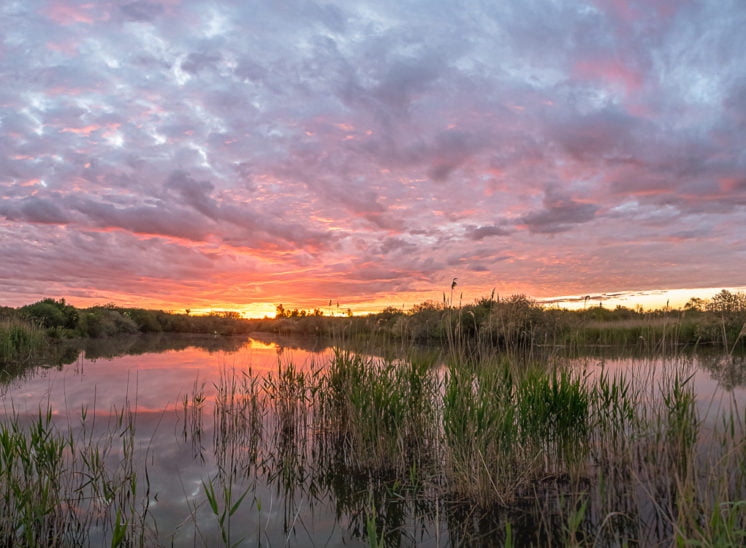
[243, 153]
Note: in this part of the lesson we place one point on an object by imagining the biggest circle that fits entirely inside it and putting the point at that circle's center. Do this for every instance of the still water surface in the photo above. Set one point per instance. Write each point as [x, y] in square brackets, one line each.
[152, 376]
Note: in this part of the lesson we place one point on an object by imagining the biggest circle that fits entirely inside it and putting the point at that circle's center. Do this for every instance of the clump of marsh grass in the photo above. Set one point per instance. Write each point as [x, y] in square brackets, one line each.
[380, 413]
[193, 407]
[20, 341]
[504, 432]
[238, 418]
[291, 394]
[238, 413]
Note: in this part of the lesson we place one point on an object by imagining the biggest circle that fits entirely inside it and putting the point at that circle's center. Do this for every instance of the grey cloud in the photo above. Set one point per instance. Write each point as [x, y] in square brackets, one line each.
[482, 232]
[692, 234]
[67, 76]
[735, 107]
[256, 226]
[560, 213]
[199, 61]
[452, 148]
[34, 210]
[386, 89]
[396, 245]
[148, 61]
[593, 136]
[194, 193]
[249, 69]
[158, 220]
[141, 10]
[329, 15]
[406, 77]
[38, 210]
[14, 121]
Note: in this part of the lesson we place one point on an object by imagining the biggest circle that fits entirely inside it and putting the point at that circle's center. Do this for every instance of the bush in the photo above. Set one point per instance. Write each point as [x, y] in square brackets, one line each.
[50, 313]
[102, 322]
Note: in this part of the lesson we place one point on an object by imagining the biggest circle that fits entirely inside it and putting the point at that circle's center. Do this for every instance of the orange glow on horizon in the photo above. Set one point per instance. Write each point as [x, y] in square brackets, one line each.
[212, 302]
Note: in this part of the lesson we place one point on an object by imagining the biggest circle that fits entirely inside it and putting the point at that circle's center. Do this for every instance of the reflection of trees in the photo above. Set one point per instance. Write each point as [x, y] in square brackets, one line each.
[133, 345]
[293, 342]
[369, 346]
[61, 353]
[729, 371]
[53, 355]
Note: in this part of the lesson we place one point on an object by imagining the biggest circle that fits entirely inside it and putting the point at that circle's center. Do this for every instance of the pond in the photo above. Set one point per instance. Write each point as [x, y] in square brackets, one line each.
[166, 410]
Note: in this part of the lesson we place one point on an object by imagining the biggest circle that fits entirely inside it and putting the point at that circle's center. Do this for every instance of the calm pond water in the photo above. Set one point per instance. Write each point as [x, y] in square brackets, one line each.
[152, 376]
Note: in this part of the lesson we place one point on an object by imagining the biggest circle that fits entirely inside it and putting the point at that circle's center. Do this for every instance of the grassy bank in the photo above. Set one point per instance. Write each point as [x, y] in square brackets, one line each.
[514, 324]
[519, 324]
[20, 341]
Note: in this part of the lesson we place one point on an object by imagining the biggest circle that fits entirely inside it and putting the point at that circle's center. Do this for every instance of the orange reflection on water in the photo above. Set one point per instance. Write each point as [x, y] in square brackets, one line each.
[146, 383]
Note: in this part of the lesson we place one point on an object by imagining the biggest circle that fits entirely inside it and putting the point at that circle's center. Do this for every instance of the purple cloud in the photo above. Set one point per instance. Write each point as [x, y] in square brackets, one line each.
[559, 213]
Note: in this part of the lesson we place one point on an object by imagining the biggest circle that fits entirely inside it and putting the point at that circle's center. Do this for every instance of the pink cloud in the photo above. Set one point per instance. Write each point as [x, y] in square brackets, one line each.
[731, 184]
[68, 47]
[631, 11]
[87, 130]
[612, 72]
[535, 148]
[64, 13]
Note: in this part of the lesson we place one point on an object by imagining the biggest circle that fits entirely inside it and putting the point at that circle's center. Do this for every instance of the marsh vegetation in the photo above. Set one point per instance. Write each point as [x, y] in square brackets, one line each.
[514, 323]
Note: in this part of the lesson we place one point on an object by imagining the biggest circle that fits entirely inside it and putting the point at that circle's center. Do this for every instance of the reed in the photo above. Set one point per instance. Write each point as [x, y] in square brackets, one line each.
[63, 488]
[20, 341]
[380, 412]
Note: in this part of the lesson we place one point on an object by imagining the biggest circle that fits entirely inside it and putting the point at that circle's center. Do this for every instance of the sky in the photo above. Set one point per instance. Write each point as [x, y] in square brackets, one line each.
[242, 154]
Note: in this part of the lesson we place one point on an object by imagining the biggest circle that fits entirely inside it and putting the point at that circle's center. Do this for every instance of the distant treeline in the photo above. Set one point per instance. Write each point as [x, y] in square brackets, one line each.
[27, 331]
[515, 322]
[62, 320]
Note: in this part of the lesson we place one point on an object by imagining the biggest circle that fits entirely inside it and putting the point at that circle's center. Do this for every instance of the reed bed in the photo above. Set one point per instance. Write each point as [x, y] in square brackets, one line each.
[559, 456]
[470, 449]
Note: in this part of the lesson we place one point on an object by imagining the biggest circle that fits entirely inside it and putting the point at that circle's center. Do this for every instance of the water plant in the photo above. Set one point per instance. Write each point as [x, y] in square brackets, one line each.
[67, 488]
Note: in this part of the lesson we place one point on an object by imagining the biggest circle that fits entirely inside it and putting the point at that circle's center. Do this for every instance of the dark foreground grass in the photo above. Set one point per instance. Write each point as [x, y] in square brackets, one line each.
[71, 488]
[477, 451]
